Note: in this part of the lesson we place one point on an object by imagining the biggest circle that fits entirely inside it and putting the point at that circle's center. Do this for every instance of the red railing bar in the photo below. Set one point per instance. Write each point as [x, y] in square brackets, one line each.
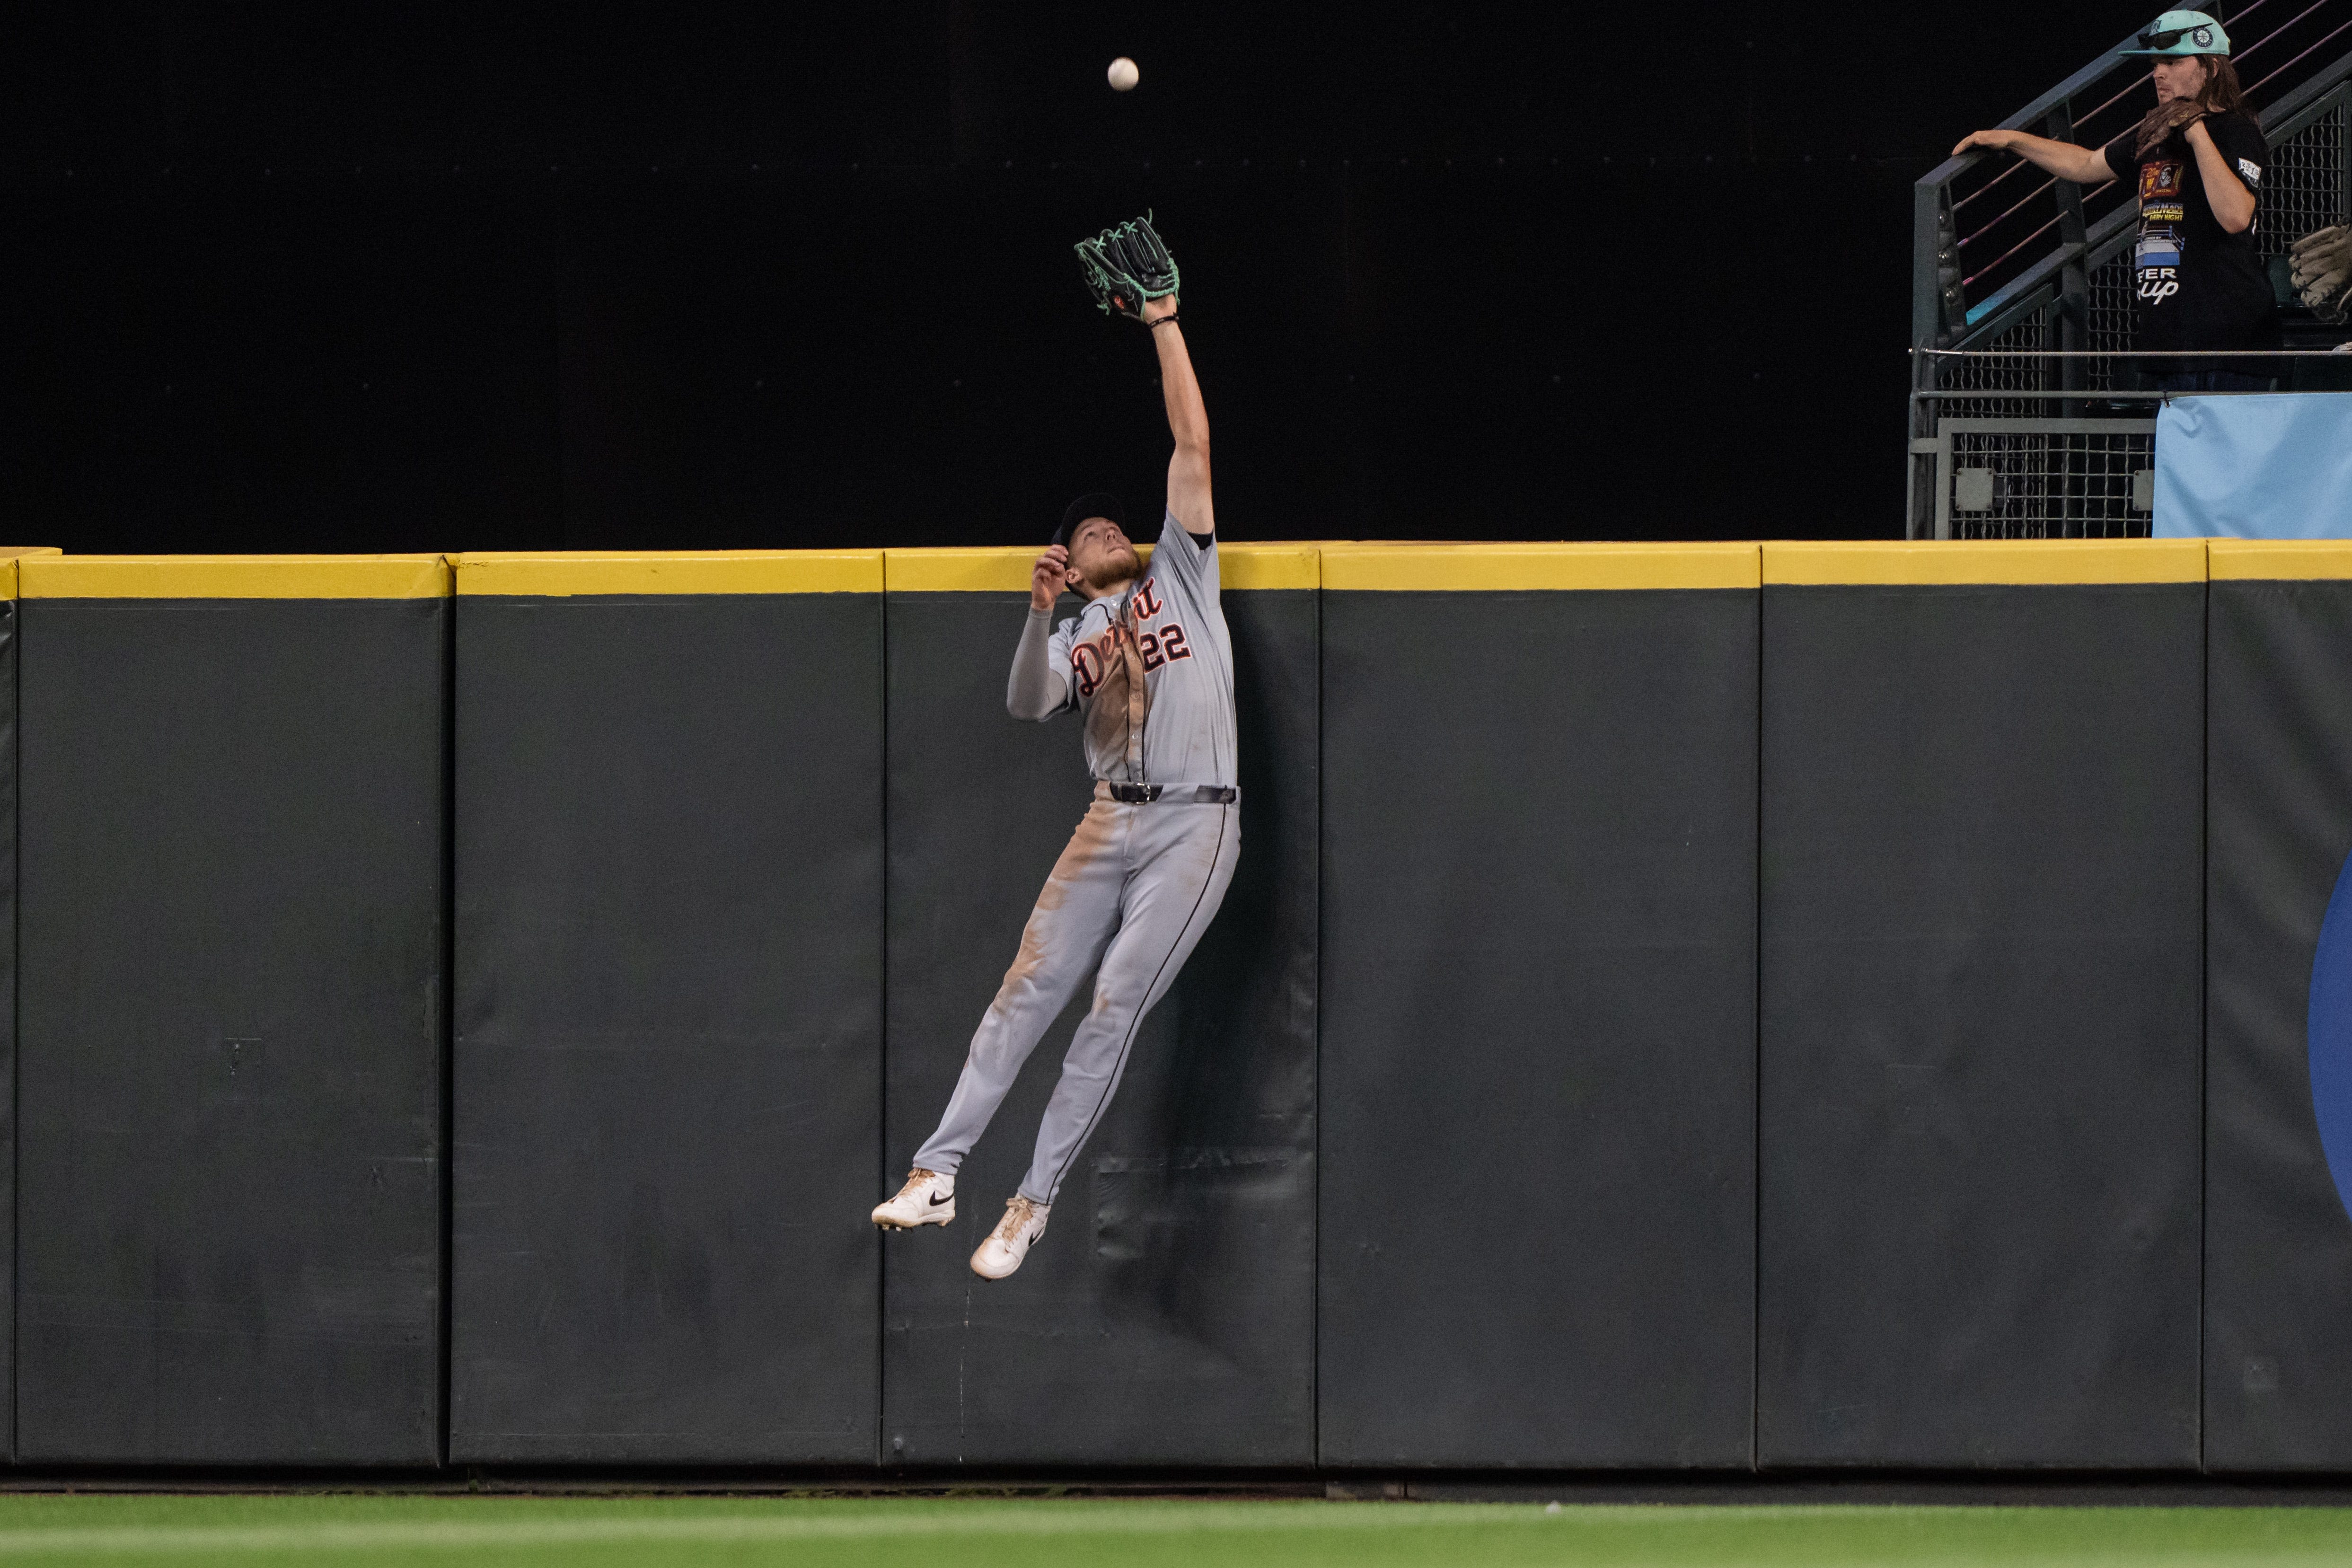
[2273, 35]
[2019, 164]
[2141, 81]
[1989, 225]
[2013, 250]
[2274, 76]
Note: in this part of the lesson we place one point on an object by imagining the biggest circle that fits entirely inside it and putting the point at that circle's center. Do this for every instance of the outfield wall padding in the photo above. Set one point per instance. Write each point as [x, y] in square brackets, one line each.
[1981, 1005]
[231, 931]
[668, 1050]
[1539, 1004]
[8, 984]
[1168, 1316]
[1679, 1006]
[2278, 1246]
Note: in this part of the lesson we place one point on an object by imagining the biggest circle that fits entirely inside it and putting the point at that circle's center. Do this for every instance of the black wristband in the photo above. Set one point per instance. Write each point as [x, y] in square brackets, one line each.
[1163, 320]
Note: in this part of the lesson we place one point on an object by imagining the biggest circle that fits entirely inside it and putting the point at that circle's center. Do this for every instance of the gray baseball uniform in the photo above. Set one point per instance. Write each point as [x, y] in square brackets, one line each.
[1151, 671]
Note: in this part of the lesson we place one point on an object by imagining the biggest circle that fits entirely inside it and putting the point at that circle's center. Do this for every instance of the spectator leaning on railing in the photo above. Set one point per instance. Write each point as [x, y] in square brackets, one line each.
[2198, 156]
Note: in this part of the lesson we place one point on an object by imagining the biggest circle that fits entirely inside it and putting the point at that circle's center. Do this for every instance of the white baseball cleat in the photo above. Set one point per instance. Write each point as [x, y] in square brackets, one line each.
[928, 1198]
[1010, 1242]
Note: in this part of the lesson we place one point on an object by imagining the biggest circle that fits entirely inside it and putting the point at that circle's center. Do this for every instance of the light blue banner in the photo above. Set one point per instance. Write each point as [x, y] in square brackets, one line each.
[2274, 465]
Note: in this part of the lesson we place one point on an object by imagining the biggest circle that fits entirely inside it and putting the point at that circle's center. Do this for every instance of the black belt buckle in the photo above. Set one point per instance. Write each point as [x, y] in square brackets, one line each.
[1135, 794]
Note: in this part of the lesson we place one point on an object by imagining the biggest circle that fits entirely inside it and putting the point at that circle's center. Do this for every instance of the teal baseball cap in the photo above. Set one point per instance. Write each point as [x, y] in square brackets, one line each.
[2182, 33]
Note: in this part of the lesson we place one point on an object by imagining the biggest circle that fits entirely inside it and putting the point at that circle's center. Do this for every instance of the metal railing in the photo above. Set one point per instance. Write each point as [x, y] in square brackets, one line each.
[2021, 294]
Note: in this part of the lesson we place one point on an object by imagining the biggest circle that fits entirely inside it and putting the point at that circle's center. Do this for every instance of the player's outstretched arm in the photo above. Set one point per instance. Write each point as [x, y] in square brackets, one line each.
[1188, 421]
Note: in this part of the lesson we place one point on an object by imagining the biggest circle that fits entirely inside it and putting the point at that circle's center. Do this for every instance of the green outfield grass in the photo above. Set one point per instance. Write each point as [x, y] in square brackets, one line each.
[980, 1533]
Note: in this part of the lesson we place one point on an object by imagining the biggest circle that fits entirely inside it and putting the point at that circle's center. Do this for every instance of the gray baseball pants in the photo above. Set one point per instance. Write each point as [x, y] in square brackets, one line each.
[1132, 893]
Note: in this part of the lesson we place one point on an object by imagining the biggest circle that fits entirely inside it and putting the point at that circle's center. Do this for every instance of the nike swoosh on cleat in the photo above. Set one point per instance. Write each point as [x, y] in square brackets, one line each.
[937, 1200]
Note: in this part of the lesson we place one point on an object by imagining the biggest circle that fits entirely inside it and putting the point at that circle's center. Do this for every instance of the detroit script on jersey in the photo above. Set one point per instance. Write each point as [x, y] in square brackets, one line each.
[1152, 671]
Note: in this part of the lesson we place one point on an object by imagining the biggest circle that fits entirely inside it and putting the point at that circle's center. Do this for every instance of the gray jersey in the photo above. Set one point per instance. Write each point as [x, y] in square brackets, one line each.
[1152, 671]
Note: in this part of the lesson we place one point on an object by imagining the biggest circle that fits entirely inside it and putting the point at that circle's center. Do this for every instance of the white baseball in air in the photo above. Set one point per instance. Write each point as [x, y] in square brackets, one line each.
[1123, 75]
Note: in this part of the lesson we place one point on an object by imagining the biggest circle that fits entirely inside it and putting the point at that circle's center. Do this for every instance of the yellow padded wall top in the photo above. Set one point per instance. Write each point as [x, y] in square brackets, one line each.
[233, 577]
[566, 573]
[1257, 566]
[1005, 569]
[1345, 566]
[1488, 568]
[990, 569]
[2278, 560]
[1959, 562]
[11, 553]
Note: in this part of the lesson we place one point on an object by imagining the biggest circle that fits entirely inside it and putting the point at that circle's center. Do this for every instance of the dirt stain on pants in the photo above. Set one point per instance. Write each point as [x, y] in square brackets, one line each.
[1126, 902]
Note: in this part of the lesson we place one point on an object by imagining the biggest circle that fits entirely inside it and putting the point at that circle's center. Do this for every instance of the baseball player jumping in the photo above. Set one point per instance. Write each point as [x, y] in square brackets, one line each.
[1148, 664]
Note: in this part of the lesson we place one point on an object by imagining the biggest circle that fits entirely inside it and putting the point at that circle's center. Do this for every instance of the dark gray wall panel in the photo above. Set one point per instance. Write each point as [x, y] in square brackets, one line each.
[1538, 984]
[668, 1036]
[230, 1162]
[1168, 1315]
[2278, 1247]
[1982, 993]
[8, 1001]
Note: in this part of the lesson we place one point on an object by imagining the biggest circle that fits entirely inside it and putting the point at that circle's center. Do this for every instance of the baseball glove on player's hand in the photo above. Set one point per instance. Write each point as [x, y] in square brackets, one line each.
[2321, 269]
[1127, 265]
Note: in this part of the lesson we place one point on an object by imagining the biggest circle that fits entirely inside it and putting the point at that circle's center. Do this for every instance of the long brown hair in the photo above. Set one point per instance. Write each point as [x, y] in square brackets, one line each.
[2220, 95]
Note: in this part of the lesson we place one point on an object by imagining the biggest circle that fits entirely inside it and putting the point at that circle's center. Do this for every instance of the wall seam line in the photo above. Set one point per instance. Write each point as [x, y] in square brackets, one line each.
[1756, 1101]
[447, 1044]
[882, 1020]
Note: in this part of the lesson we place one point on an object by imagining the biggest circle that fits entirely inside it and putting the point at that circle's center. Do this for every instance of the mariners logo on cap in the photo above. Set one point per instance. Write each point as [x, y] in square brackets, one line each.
[2183, 32]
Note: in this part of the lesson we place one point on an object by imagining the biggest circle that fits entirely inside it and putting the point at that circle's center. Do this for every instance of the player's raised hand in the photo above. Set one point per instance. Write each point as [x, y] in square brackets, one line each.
[1160, 308]
[1049, 577]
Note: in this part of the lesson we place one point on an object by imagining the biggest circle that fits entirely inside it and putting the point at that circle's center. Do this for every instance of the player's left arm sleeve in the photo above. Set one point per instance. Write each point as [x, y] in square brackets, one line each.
[1035, 690]
[1192, 558]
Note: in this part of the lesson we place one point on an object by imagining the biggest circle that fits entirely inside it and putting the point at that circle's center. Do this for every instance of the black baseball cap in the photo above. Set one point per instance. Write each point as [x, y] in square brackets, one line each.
[1094, 503]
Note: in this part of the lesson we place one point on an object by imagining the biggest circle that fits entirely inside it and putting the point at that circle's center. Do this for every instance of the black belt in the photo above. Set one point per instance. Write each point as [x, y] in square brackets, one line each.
[1201, 794]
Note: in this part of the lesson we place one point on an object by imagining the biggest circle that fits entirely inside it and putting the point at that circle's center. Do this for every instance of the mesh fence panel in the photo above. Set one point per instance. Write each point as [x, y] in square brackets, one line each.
[1992, 374]
[2054, 484]
[2304, 187]
[2109, 330]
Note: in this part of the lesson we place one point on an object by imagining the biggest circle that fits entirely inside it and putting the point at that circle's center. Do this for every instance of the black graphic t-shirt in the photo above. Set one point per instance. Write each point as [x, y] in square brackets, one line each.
[2198, 286]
